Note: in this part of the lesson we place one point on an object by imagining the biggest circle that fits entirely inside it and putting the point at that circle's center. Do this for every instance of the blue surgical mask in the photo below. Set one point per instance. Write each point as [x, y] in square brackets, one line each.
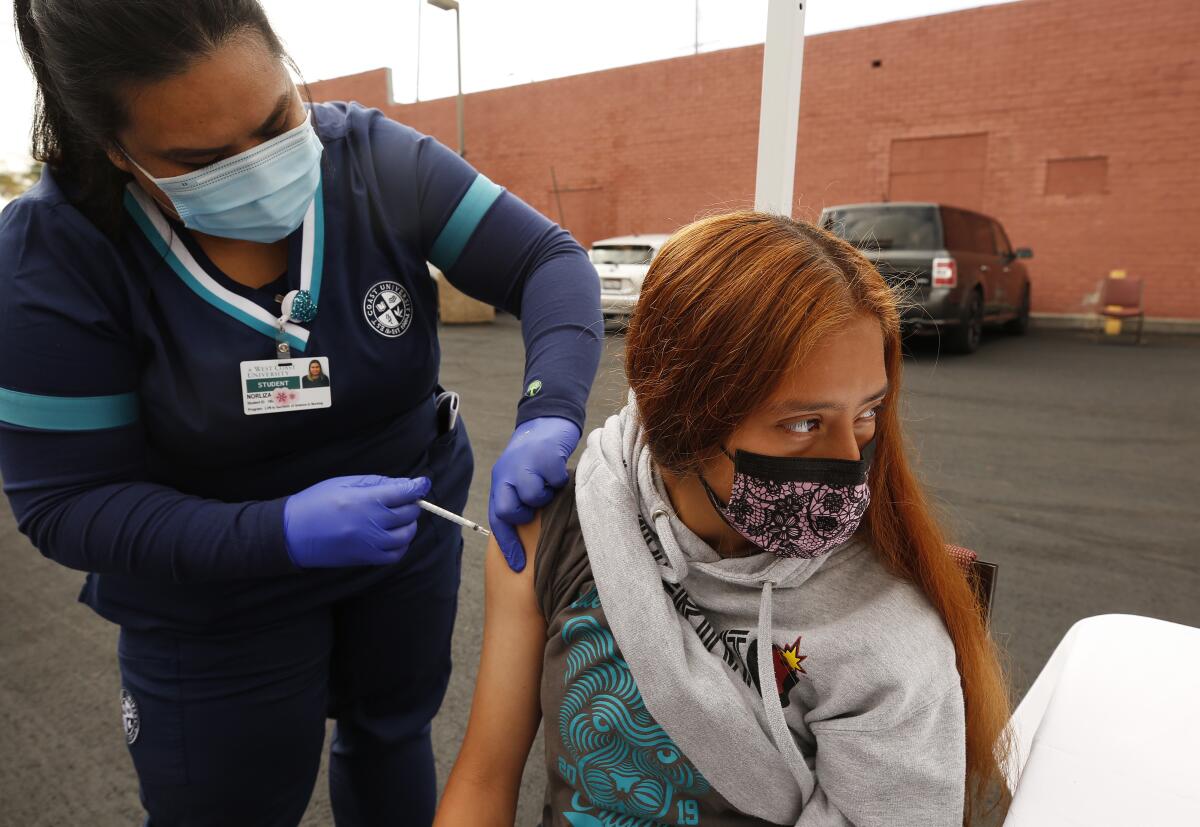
[257, 195]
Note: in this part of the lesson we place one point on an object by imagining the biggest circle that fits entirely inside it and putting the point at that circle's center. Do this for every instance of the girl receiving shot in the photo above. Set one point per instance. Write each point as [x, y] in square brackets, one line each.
[741, 611]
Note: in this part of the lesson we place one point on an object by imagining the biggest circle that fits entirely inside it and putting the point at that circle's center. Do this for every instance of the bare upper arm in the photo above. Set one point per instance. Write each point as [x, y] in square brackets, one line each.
[512, 618]
[506, 707]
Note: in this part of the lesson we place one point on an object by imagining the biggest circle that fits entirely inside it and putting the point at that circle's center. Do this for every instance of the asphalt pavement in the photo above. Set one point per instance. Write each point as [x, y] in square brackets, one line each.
[1074, 465]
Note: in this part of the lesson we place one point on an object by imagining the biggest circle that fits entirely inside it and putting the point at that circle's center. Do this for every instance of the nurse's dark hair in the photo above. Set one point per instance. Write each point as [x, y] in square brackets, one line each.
[83, 53]
[729, 305]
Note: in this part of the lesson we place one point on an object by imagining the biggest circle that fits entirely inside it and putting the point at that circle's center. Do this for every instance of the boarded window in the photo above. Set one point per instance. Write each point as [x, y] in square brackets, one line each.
[947, 169]
[1077, 176]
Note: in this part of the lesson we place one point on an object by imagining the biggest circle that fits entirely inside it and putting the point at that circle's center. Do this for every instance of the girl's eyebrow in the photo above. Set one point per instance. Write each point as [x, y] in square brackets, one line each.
[791, 405]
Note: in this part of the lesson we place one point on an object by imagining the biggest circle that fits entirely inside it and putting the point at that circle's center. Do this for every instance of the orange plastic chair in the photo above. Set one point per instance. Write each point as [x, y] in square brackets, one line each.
[981, 574]
[1122, 299]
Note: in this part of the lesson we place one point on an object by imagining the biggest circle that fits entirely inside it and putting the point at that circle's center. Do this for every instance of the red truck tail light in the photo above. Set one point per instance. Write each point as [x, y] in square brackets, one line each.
[945, 272]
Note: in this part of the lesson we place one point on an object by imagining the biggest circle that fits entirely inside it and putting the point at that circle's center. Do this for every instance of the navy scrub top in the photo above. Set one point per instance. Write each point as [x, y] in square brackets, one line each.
[124, 448]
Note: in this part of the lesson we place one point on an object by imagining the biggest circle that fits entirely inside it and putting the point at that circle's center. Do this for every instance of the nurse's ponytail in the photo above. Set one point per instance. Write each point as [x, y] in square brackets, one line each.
[84, 52]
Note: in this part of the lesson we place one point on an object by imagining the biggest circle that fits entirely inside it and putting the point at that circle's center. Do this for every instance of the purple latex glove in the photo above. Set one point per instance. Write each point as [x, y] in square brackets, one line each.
[353, 521]
[531, 469]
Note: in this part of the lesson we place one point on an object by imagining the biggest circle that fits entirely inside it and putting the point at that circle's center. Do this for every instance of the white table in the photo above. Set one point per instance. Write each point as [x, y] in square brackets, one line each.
[1109, 733]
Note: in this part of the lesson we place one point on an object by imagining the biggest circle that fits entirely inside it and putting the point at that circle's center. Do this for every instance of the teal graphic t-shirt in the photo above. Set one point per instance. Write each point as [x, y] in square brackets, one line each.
[608, 762]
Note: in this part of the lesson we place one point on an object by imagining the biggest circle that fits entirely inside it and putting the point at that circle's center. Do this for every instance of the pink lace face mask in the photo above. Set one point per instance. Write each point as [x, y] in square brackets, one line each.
[796, 506]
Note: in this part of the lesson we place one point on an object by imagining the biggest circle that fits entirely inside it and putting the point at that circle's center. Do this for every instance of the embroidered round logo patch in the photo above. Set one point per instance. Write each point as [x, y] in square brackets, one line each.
[130, 718]
[535, 387]
[388, 309]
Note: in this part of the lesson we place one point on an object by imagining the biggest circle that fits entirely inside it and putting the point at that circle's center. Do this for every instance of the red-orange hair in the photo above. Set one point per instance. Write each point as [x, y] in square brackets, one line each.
[731, 303]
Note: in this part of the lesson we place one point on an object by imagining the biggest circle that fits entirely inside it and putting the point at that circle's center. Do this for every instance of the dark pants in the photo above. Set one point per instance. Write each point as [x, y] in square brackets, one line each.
[229, 725]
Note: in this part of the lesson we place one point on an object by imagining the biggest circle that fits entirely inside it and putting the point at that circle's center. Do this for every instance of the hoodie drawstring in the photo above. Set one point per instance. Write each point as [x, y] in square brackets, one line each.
[772, 707]
[677, 569]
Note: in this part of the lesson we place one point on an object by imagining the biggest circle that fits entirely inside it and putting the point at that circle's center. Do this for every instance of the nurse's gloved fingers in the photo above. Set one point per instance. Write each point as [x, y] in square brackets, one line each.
[389, 518]
[510, 546]
[363, 480]
[507, 539]
[506, 504]
[532, 489]
[553, 469]
[401, 538]
[407, 513]
[515, 516]
[402, 491]
[538, 500]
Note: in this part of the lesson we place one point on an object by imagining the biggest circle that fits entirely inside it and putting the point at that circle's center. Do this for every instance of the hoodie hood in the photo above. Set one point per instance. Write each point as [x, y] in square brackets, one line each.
[687, 554]
[636, 543]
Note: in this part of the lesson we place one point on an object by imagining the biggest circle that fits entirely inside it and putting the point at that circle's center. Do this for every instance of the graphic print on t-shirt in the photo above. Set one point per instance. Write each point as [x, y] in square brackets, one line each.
[625, 767]
[786, 661]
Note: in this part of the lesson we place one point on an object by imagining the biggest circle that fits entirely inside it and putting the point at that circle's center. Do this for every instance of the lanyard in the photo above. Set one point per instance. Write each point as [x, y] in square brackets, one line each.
[298, 305]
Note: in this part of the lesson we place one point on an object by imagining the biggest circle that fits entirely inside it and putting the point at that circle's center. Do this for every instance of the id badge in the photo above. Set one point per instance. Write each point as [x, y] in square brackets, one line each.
[278, 386]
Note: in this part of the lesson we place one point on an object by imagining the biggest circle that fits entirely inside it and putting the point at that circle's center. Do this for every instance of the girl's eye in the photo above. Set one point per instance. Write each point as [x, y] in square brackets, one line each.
[804, 426]
[871, 414]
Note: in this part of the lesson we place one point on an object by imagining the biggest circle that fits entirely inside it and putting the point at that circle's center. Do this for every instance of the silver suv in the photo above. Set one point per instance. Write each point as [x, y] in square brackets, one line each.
[621, 264]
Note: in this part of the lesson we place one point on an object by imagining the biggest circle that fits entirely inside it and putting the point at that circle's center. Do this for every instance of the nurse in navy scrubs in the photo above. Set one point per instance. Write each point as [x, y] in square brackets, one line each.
[199, 236]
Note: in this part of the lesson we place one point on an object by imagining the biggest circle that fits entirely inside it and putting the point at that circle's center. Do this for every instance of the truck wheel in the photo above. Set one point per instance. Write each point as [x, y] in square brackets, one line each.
[965, 337]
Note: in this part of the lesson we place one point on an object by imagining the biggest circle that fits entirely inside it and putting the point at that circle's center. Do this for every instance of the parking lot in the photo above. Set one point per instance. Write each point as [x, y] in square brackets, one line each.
[1074, 465]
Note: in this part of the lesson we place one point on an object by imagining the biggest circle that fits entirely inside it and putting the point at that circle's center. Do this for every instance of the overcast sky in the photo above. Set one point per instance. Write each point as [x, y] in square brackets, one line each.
[505, 42]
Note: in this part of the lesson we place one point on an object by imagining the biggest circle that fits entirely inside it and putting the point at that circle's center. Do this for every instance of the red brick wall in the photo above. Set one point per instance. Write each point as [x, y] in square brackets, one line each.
[647, 148]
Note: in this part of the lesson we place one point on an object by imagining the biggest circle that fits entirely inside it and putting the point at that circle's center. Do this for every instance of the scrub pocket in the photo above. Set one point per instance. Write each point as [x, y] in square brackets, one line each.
[449, 462]
[151, 706]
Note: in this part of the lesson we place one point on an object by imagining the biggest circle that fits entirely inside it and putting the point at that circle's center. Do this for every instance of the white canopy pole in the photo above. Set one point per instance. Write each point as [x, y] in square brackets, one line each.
[783, 58]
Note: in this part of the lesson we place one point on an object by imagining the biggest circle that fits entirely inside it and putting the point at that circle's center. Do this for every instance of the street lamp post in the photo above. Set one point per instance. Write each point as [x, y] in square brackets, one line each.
[452, 5]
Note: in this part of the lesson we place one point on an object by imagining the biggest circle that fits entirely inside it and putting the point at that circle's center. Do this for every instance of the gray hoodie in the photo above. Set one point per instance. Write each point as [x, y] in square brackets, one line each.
[861, 721]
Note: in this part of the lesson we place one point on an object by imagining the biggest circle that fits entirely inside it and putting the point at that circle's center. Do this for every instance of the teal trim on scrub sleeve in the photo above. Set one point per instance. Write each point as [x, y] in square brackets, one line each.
[67, 413]
[466, 217]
